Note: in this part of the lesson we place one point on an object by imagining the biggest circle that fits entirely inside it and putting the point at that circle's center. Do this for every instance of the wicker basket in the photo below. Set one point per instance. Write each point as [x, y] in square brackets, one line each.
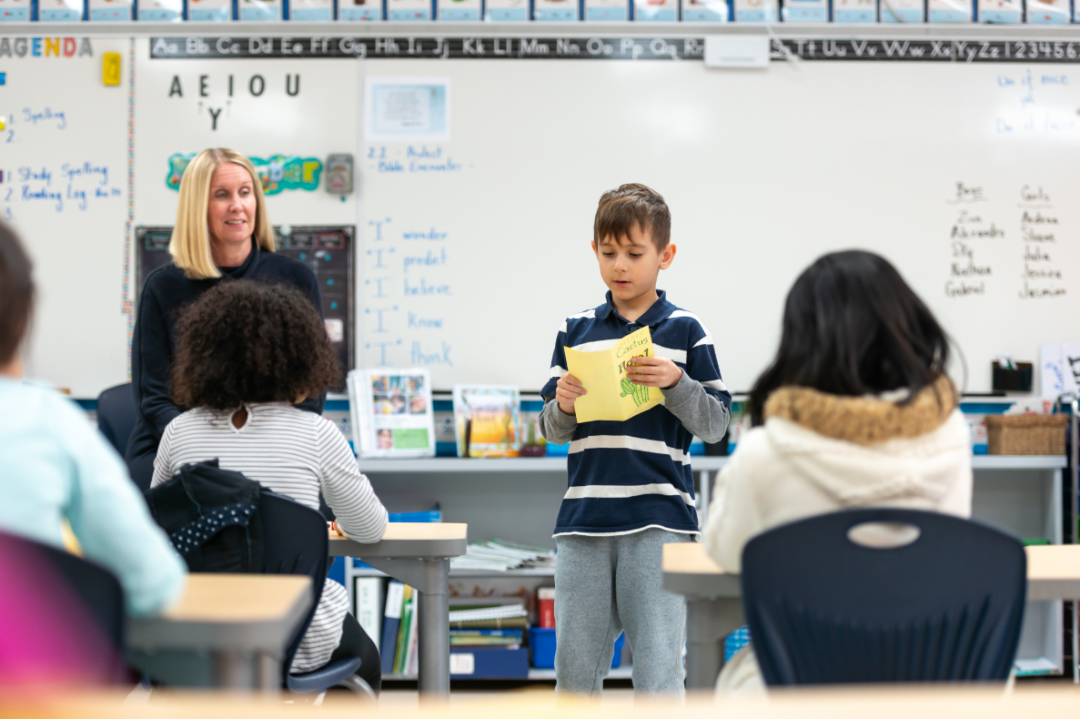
[1026, 433]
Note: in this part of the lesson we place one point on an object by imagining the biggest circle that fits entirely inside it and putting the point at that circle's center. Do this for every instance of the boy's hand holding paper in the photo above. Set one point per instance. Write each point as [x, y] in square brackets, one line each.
[611, 393]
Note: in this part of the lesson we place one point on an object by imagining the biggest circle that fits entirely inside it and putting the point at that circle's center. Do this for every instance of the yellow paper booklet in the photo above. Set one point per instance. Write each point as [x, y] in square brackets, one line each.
[610, 395]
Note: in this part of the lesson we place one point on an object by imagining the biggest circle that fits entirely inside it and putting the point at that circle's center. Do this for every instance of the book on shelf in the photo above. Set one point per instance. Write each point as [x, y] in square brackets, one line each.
[401, 656]
[487, 421]
[368, 596]
[395, 596]
[391, 410]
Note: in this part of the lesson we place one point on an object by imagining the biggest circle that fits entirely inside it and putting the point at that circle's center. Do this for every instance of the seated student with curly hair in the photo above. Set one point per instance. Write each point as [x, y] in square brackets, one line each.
[248, 353]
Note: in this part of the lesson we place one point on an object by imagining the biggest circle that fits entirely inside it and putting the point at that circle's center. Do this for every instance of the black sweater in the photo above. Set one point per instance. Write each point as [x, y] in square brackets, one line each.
[166, 292]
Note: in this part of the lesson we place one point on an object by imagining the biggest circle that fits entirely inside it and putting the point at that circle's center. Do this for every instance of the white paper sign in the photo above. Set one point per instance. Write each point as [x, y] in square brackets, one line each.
[1059, 368]
[407, 109]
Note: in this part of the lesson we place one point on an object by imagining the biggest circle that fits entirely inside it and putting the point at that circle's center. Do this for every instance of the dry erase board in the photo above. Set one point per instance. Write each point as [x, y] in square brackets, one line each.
[960, 174]
[65, 188]
[477, 180]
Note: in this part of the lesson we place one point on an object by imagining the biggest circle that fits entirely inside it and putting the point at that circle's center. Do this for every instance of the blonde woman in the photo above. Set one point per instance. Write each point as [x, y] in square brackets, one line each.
[222, 233]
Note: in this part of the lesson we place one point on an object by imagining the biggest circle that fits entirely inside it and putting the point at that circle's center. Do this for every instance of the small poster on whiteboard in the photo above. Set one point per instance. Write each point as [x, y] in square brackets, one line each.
[161, 10]
[461, 10]
[407, 109]
[391, 412]
[408, 10]
[110, 10]
[756, 10]
[656, 10]
[15, 11]
[1047, 12]
[360, 10]
[606, 10]
[506, 10]
[1001, 12]
[555, 10]
[902, 11]
[259, 10]
[209, 10]
[311, 10]
[1059, 368]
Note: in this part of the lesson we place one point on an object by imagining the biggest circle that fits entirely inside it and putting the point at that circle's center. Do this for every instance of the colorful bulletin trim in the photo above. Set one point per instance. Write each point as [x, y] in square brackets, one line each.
[611, 48]
[127, 305]
[278, 173]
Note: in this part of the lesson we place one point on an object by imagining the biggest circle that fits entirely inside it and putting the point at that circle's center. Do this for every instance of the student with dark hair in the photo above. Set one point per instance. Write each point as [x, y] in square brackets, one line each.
[855, 411]
[55, 466]
[247, 354]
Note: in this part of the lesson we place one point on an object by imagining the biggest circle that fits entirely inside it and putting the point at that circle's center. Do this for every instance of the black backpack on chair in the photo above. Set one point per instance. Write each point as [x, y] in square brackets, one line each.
[211, 516]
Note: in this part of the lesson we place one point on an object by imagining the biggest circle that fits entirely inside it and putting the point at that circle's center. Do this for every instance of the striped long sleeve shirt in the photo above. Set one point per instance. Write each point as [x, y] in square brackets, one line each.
[625, 477]
[297, 454]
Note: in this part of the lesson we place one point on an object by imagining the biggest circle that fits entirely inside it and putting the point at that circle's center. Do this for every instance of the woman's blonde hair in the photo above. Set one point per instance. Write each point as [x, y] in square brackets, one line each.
[190, 243]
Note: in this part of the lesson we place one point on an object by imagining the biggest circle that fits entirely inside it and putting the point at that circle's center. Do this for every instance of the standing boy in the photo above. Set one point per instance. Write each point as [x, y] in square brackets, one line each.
[631, 487]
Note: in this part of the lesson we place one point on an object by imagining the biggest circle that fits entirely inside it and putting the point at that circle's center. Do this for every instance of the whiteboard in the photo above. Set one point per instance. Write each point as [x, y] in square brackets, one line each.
[63, 155]
[763, 170]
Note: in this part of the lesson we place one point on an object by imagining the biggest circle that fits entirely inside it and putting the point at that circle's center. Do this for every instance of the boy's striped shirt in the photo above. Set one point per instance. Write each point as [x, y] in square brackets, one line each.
[628, 476]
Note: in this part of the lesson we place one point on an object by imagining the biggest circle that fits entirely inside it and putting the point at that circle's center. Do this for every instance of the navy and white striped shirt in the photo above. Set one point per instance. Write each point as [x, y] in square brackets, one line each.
[628, 476]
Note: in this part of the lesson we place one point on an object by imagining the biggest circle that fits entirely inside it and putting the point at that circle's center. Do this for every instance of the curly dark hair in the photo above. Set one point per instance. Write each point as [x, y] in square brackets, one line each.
[243, 341]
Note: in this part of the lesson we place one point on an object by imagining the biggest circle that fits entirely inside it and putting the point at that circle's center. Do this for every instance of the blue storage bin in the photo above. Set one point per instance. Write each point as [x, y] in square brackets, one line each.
[542, 645]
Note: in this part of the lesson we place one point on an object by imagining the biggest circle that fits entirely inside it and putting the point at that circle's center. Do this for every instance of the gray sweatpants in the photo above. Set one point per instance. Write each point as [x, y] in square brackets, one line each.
[603, 586]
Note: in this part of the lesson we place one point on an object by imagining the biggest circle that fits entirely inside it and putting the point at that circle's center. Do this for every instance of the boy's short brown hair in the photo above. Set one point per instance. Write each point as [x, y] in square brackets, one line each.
[633, 204]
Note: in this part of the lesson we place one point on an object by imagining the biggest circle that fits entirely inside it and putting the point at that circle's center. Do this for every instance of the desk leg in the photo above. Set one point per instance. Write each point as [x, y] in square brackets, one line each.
[233, 670]
[433, 631]
[708, 622]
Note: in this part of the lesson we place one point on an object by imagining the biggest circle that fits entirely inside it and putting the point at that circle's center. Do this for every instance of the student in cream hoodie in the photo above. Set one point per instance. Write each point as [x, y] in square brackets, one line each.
[855, 411]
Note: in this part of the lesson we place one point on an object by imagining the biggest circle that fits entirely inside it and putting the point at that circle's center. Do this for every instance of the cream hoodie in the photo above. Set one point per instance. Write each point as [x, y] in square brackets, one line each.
[819, 453]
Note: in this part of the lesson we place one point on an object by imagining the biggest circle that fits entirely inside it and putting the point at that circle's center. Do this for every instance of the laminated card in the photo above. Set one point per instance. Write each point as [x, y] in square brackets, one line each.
[705, 11]
[607, 10]
[311, 10]
[555, 10]
[408, 10]
[610, 395]
[359, 10]
[259, 10]
[1047, 12]
[506, 10]
[855, 10]
[902, 11]
[950, 10]
[15, 11]
[756, 10]
[110, 10]
[161, 10]
[656, 10]
[1001, 12]
[466, 10]
[805, 10]
[209, 10]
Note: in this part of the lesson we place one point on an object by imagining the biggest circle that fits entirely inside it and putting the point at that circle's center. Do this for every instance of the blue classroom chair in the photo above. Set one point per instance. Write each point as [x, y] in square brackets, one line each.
[116, 415]
[295, 541]
[825, 610]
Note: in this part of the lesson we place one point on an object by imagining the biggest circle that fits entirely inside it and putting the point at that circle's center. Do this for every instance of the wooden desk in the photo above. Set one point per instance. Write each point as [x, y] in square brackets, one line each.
[892, 702]
[244, 621]
[419, 555]
[714, 598]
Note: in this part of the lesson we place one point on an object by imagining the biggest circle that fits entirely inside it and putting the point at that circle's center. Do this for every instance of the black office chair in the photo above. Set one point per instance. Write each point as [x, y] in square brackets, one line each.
[296, 541]
[116, 415]
[87, 595]
[823, 609]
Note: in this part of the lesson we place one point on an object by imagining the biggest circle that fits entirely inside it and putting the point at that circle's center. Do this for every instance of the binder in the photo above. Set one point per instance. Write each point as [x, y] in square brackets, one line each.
[395, 598]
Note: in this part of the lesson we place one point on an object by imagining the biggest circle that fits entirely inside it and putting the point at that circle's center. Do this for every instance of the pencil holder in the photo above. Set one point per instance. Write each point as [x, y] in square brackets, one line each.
[1011, 380]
